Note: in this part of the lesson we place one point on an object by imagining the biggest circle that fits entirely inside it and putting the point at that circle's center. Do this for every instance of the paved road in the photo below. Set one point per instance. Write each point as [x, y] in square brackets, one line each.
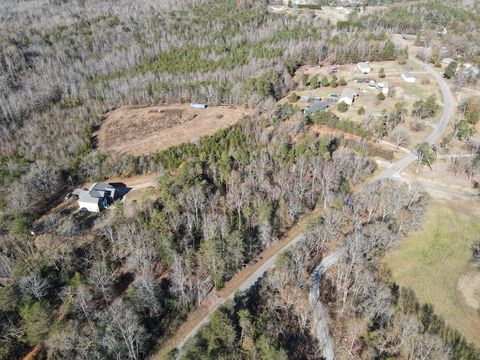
[321, 322]
[321, 325]
[447, 114]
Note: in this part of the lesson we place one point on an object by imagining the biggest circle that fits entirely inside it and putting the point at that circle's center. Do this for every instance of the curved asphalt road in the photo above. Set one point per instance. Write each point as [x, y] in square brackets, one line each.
[321, 323]
[447, 114]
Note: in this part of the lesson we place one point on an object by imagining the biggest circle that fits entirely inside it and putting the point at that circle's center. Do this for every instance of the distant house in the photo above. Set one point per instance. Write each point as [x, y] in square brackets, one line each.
[316, 106]
[198, 106]
[309, 98]
[364, 67]
[364, 81]
[96, 198]
[385, 87]
[348, 96]
[408, 77]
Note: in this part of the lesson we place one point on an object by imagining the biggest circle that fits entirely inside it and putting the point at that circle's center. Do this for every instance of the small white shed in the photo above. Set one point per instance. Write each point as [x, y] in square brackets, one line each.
[408, 77]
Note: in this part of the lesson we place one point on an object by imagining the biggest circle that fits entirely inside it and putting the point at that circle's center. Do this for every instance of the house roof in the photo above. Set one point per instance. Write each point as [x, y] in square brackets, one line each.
[94, 193]
[348, 92]
[316, 106]
[101, 187]
[86, 196]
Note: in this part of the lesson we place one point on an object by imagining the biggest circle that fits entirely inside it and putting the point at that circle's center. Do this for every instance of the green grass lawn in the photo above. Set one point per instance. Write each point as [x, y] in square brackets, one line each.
[431, 261]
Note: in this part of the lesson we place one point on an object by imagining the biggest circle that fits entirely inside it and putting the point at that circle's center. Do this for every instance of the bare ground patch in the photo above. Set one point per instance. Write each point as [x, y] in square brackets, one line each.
[140, 131]
[469, 287]
[442, 174]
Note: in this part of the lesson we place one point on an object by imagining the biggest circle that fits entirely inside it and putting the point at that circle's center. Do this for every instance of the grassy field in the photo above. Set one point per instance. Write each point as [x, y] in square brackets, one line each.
[432, 260]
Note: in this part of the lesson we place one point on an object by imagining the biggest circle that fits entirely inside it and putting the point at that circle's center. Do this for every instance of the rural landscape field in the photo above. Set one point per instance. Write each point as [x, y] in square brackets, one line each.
[240, 179]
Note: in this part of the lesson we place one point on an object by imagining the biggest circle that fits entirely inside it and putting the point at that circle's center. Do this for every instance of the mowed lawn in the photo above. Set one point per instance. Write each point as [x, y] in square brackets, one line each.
[431, 260]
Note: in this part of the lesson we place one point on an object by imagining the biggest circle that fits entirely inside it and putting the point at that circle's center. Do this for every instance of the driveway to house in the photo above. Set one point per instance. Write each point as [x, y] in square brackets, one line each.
[321, 325]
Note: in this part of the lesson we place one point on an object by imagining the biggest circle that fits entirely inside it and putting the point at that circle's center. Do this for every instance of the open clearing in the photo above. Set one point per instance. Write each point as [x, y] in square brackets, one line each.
[141, 131]
[401, 91]
[442, 174]
[436, 260]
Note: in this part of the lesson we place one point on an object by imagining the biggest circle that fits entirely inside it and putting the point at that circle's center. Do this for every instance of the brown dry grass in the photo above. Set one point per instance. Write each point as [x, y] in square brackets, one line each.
[139, 131]
[469, 287]
[442, 175]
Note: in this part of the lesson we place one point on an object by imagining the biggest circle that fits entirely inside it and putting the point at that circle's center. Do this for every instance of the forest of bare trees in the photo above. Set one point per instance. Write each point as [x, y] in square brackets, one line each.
[369, 316]
[117, 285]
[63, 64]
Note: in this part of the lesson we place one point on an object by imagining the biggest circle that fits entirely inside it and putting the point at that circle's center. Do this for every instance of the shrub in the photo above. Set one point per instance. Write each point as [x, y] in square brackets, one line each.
[417, 126]
[324, 82]
[476, 253]
[342, 82]
[327, 118]
[380, 96]
[450, 70]
[361, 111]
[293, 97]
[305, 80]
[381, 73]
[342, 107]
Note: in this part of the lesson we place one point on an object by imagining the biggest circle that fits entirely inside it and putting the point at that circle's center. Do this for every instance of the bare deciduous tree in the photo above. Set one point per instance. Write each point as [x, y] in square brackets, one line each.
[34, 285]
[400, 136]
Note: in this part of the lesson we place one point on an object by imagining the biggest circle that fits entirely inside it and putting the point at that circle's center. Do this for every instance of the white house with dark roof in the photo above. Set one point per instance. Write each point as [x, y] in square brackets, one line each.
[384, 87]
[348, 96]
[96, 198]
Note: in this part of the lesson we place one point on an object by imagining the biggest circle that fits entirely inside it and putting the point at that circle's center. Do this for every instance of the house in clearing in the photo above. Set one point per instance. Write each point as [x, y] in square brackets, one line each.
[384, 87]
[96, 198]
[364, 67]
[316, 106]
[408, 77]
[347, 96]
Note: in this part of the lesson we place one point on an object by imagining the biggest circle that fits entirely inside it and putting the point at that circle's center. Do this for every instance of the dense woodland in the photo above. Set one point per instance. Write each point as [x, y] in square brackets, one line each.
[369, 316]
[63, 64]
[118, 284]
